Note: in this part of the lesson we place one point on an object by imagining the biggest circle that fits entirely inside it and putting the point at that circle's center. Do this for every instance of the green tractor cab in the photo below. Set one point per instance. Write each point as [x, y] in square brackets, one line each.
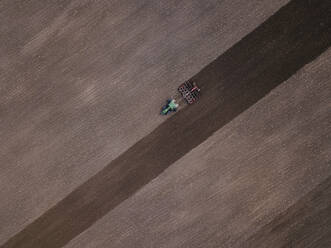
[171, 106]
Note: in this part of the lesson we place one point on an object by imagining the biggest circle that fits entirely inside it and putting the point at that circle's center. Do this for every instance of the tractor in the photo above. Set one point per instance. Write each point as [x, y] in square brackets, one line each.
[189, 91]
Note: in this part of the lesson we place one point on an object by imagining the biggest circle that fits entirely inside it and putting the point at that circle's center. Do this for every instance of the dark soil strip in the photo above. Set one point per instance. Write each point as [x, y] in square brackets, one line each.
[294, 36]
[306, 224]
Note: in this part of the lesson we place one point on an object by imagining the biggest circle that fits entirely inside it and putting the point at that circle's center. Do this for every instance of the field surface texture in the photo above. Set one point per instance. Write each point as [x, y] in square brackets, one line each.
[86, 161]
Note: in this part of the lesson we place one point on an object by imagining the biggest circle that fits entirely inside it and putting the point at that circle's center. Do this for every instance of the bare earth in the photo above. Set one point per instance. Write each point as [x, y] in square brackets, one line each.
[240, 184]
[77, 77]
[81, 83]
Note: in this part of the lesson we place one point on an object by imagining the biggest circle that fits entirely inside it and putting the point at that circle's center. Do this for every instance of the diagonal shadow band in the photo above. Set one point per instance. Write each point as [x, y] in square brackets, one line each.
[291, 38]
